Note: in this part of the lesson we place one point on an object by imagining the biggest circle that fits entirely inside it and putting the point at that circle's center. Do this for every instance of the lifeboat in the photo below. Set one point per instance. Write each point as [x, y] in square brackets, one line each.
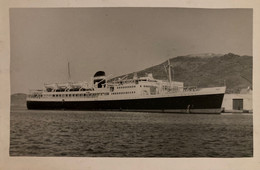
[51, 86]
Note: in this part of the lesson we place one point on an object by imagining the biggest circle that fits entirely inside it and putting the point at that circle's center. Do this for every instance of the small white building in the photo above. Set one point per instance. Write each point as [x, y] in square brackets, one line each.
[238, 102]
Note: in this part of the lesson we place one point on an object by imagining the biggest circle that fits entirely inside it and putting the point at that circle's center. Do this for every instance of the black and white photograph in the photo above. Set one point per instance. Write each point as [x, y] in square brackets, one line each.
[123, 85]
[131, 82]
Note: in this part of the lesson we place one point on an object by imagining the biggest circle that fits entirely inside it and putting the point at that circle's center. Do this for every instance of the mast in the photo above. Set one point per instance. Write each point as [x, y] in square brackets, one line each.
[170, 76]
[69, 77]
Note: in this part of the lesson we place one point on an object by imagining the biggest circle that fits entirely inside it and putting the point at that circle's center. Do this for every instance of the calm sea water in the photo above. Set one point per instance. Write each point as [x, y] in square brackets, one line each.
[129, 134]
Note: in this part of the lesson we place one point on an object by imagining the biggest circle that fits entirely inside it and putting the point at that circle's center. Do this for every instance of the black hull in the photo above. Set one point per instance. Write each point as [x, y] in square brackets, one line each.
[188, 104]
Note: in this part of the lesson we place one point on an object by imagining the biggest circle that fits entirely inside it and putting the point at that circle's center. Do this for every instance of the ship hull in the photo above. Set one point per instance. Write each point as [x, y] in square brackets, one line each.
[210, 103]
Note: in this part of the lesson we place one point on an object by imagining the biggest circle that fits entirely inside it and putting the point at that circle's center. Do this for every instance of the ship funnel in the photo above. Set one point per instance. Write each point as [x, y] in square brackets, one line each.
[99, 79]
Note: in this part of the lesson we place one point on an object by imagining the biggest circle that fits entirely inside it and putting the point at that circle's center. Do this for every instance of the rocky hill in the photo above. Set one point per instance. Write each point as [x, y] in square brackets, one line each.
[206, 70]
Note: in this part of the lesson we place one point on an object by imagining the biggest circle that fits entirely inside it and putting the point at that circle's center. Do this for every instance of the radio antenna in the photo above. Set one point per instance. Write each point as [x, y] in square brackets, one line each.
[69, 77]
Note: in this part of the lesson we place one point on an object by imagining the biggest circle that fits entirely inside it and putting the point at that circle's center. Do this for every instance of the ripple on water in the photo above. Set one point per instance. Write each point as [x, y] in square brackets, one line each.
[129, 134]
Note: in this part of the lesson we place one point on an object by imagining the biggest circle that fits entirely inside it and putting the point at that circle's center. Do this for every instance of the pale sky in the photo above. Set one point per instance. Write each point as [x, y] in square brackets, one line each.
[116, 40]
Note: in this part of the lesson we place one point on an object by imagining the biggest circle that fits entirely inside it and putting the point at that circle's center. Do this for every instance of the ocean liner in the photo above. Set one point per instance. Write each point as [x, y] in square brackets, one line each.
[145, 94]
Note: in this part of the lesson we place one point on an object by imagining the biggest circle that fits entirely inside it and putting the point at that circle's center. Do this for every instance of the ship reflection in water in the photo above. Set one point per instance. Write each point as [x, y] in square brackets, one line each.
[129, 134]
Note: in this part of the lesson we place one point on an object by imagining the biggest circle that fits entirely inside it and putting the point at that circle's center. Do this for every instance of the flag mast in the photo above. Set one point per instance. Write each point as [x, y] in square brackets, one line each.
[69, 77]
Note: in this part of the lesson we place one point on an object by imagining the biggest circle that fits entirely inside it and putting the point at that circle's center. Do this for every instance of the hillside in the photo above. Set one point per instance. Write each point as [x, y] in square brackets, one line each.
[207, 70]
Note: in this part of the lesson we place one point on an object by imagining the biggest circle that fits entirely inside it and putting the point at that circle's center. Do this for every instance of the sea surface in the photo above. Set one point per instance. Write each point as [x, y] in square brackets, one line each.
[129, 134]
